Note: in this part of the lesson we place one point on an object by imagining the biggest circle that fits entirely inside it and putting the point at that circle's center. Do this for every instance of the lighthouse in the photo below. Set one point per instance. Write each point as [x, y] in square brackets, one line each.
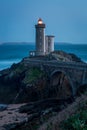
[44, 44]
[40, 38]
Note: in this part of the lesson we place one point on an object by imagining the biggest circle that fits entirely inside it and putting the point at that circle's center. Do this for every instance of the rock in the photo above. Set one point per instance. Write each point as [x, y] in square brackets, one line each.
[63, 56]
[3, 107]
[25, 83]
[43, 106]
[10, 118]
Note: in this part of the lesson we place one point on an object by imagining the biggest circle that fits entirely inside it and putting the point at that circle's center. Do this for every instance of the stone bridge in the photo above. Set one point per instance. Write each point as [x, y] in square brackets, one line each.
[75, 72]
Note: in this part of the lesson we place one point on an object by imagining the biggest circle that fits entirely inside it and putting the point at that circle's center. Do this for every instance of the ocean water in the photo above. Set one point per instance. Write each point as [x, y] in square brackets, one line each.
[10, 54]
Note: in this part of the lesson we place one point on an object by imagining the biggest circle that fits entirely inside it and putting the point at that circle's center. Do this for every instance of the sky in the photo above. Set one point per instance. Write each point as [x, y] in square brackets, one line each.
[65, 19]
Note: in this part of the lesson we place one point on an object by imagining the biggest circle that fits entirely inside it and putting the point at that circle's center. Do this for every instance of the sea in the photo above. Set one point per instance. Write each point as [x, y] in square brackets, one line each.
[14, 53]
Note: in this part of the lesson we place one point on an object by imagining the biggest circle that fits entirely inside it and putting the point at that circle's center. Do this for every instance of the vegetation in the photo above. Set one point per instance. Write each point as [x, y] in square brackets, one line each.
[82, 90]
[78, 121]
[18, 68]
[49, 126]
[32, 75]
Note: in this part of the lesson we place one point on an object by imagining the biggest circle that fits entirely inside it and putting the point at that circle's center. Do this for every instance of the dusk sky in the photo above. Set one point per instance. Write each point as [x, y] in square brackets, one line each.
[65, 19]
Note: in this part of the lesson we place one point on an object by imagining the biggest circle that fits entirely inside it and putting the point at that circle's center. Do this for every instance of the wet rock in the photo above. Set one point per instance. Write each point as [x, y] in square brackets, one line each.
[3, 107]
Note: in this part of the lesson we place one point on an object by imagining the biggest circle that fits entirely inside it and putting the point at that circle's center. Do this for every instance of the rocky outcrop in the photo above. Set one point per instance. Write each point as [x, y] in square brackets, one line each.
[11, 118]
[63, 56]
[17, 116]
[23, 83]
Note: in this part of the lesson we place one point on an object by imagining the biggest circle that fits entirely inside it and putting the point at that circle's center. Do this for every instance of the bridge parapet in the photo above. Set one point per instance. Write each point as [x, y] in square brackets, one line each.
[71, 65]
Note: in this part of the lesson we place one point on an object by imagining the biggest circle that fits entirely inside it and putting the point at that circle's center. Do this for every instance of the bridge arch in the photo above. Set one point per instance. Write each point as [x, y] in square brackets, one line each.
[61, 80]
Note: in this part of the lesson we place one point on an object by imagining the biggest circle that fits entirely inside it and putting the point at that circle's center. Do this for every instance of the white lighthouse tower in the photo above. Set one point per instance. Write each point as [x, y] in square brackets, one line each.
[40, 38]
[44, 43]
[49, 43]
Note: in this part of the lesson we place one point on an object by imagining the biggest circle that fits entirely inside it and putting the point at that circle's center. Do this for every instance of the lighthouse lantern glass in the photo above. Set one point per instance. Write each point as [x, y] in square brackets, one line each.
[40, 22]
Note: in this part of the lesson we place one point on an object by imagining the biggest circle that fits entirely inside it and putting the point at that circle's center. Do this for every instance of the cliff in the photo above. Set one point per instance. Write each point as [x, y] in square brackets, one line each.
[23, 83]
[28, 85]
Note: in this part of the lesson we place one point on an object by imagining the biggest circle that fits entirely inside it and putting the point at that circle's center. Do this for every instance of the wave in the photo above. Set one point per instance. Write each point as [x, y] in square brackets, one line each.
[7, 63]
[10, 54]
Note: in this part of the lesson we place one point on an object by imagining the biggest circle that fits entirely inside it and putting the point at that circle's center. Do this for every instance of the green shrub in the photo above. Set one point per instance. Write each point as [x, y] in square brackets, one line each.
[76, 122]
[32, 74]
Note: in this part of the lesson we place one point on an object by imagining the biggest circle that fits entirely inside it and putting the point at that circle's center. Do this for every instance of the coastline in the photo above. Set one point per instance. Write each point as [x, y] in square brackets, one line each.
[28, 83]
[7, 63]
[10, 54]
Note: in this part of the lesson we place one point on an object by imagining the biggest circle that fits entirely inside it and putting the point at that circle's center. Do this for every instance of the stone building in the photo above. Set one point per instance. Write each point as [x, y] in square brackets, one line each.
[44, 43]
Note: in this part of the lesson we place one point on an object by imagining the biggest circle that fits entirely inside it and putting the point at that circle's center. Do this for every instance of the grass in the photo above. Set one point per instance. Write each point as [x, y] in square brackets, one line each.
[78, 121]
[32, 74]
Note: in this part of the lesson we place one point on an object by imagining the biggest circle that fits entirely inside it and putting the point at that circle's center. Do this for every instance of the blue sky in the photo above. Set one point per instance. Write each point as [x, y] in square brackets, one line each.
[66, 19]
